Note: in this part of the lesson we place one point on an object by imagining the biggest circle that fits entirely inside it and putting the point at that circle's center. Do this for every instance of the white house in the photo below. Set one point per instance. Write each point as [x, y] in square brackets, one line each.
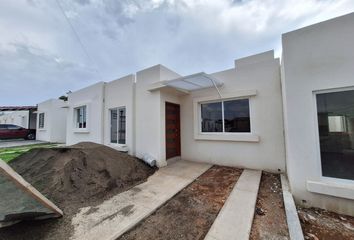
[295, 117]
[318, 96]
[51, 121]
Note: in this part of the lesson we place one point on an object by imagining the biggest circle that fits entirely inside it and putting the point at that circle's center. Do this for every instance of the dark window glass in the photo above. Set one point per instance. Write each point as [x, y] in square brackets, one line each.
[121, 132]
[211, 117]
[237, 116]
[114, 126]
[3, 126]
[41, 120]
[335, 113]
[13, 127]
[81, 117]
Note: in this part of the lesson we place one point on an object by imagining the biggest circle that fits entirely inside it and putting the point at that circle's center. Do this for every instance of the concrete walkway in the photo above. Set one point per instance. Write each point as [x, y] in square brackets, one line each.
[235, 218]
[115, 216]
[18, 143]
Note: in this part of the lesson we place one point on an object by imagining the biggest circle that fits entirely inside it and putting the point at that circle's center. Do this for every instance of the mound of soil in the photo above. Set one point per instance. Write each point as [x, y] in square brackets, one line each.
[73, 177]
[81, 172]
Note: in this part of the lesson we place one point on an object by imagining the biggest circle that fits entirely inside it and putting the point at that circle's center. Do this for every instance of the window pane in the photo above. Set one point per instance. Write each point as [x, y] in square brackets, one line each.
[335, 113]
[237, 116]
[84, 116]
[114, 126]
[211, 117]
[41, 120]
[80, 117]
[13, 127]
[121, 132]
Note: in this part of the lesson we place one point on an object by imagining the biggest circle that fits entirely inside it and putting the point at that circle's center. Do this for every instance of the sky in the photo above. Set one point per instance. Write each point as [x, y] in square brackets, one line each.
[50, 47]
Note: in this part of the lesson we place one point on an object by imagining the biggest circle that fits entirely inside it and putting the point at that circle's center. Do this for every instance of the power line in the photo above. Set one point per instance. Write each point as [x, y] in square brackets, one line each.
[79, 40]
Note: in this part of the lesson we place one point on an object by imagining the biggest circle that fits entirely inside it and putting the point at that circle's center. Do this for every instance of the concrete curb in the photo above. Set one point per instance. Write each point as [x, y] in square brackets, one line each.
[234, 221]
[294, 226]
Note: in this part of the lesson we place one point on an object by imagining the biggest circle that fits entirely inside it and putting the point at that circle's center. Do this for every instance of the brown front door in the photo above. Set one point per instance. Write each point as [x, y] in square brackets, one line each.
[173, 133]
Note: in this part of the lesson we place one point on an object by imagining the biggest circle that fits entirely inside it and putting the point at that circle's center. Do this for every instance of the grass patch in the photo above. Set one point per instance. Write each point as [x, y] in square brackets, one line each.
[8, 154]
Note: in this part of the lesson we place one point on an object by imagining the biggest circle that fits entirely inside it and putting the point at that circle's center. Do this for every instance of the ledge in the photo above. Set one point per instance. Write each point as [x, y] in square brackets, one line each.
[228, 137]
[81, 130]
[342, 190]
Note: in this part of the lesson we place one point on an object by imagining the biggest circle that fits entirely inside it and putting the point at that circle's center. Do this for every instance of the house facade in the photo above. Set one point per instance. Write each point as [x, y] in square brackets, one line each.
[294, 117]
[318, 99]
[51, 121]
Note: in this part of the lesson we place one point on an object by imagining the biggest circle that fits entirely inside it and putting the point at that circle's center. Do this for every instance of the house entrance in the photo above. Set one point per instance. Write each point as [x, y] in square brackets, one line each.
[173, 130]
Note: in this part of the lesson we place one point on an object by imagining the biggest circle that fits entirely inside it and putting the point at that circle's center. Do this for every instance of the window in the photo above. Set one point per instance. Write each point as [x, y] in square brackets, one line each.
[80, 114]
[226, 116]
[118, 125]
[335, 114]
[41, 120]
[13, 127]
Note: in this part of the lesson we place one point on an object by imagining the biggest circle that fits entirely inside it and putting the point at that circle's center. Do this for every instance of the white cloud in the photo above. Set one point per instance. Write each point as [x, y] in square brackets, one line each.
[39, 51]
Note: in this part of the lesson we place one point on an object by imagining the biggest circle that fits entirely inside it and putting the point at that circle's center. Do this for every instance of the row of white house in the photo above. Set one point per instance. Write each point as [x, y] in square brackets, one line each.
[295, 117]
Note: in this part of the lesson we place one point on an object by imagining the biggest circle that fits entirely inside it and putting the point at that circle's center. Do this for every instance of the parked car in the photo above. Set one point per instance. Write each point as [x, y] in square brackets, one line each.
[11, 131]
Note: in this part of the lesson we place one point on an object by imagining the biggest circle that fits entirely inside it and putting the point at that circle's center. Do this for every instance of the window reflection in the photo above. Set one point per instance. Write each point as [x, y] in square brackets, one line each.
[336, 132]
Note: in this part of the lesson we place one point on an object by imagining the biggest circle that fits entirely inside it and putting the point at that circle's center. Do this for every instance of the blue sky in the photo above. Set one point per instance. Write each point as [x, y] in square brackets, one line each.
[42, 58]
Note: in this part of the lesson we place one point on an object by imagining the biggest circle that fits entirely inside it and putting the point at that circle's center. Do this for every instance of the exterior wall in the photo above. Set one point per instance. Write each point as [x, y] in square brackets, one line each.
[120, 93]
[149, 122]
[92, 97]
[19, 118]
[318, 57]
[54, 121]
[259, 78]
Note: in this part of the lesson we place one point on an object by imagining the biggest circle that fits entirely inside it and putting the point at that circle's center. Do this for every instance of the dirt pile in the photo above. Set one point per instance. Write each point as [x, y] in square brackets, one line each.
[82, 172]
[73, 177]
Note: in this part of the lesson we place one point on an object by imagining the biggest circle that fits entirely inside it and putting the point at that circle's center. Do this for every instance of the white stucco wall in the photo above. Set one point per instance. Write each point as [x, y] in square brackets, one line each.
[259, 75]
[19, 118]
[92, 97]
[149, 121]
[120, 93]
[318, 57]
[54, 121]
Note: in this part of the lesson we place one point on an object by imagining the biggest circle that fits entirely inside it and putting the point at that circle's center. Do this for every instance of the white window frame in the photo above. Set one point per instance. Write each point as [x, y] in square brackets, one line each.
[110, 124]
[321, 184]
[39, 121]
[223, 115]
[224, 136]
[76, 129]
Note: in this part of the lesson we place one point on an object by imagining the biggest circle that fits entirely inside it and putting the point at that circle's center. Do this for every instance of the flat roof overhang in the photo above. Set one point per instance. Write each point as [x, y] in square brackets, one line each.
[189, 83]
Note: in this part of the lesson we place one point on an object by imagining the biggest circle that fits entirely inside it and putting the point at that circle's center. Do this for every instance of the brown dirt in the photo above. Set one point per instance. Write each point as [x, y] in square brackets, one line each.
[320, 224]
[269, 219]
[73, 177]
[189, 214]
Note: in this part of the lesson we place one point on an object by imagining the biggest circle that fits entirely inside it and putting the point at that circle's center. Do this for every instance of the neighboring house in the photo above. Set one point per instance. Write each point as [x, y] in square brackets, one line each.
[318, 96]
[19, 118]
[23, 116]
[296, 117]
[51, 121]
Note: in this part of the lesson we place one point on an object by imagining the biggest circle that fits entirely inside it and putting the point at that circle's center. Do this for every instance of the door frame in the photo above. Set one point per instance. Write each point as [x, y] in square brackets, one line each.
[178, 129]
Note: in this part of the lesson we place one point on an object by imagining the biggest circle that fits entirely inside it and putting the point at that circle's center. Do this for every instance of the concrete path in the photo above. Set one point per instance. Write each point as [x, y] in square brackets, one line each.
[235, 218]
[18, 143]
[294, 226]
[115, 216]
